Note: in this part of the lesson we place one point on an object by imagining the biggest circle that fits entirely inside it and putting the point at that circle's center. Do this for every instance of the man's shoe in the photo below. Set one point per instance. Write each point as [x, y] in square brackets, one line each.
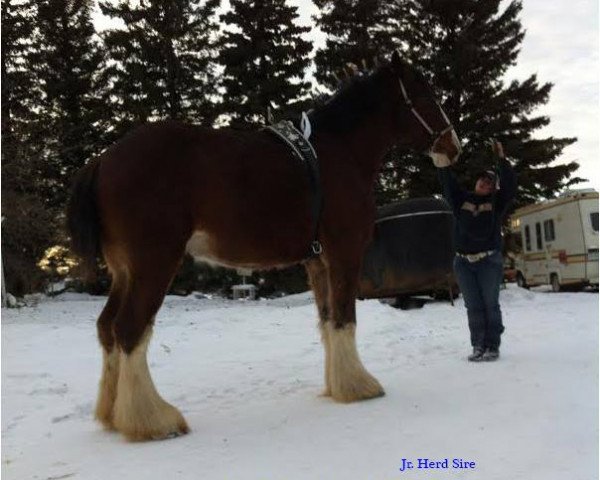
[477, 355]
[491, 354]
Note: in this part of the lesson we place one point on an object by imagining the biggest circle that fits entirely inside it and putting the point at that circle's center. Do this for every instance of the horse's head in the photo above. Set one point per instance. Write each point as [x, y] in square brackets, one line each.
[419, 118]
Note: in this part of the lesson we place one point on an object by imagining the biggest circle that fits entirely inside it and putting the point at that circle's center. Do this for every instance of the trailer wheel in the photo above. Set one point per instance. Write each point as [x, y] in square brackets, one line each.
[554, 282]
[521, 282]
[406, 302]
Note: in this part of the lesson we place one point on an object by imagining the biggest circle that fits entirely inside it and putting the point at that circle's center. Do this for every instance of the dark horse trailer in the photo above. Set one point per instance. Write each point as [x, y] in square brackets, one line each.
[411, 252]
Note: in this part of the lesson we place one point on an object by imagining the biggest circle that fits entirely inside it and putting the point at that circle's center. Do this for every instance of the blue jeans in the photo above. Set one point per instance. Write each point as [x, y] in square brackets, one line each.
[479, 283]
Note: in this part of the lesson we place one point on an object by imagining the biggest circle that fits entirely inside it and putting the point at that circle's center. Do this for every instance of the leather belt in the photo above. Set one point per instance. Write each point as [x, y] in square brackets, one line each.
[475, 257]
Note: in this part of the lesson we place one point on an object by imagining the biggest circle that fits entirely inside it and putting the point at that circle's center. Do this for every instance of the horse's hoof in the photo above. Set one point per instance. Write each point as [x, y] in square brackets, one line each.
[157, 424]
[366, 389]
[107, 424]
[157, 434]
[104, 416]
[181, 430]
[326, 392]
[177, 434]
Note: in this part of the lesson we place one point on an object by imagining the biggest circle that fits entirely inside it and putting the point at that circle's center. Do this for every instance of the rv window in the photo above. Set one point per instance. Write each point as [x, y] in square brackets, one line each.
[594, 219]
[538, 236]
[527, 239]
[549, 230]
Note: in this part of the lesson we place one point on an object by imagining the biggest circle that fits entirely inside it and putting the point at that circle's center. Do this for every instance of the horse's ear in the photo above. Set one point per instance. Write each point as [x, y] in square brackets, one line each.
[352, 69]
[396, 62]
[401, 67]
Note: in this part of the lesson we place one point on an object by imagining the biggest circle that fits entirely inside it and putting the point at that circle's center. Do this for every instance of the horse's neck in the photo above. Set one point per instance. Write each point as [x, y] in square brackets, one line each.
[368, 144]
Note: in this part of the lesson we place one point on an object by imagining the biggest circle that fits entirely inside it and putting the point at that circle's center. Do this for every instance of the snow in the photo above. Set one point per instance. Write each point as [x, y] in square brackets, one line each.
[247, 377]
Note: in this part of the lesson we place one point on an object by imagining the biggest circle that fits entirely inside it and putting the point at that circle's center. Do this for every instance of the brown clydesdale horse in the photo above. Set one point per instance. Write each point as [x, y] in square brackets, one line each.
[240, 199]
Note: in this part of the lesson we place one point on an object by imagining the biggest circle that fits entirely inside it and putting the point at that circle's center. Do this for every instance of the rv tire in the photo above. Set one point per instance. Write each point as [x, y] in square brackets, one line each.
[521, 282]
[555, 282]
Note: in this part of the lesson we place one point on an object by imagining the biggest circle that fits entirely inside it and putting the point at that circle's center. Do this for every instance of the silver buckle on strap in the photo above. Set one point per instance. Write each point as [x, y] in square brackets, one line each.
[316, 247]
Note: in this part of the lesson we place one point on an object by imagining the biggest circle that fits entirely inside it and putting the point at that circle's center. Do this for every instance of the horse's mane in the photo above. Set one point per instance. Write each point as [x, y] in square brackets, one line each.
[353, 101]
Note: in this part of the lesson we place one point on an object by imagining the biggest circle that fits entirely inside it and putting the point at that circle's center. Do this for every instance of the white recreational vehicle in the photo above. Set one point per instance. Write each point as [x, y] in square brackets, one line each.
[559, 241]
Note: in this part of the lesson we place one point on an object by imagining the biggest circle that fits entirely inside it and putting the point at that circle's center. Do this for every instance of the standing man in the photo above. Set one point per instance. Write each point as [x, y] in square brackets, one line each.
[478, 264]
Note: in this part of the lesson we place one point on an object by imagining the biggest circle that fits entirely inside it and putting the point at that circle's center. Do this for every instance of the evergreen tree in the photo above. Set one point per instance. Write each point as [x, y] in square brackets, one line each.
[17, 80]
[265, 59]
[66, 62]
[20, 97]
[465, 48]
[161, 61]
[358, 32]
[27, 227]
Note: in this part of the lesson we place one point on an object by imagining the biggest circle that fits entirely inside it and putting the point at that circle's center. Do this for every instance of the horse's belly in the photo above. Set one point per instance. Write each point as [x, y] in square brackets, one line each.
[206, 248]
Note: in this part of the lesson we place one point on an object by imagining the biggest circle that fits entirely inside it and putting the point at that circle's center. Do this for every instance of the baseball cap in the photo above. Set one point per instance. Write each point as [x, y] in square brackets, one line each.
[487, 174]
[490, 175]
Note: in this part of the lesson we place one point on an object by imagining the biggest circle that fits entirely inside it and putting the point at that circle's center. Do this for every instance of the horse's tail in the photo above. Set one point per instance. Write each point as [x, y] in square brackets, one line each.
[83, 219]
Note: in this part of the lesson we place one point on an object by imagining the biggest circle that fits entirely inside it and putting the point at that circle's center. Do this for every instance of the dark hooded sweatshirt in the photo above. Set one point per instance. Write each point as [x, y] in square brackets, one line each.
[478, 218]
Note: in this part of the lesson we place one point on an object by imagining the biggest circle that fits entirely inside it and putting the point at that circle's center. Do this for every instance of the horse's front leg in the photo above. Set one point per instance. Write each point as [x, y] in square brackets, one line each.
[347, 379]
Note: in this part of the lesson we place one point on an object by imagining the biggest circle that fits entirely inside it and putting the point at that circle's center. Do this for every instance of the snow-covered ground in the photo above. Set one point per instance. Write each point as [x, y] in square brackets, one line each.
[247, 376]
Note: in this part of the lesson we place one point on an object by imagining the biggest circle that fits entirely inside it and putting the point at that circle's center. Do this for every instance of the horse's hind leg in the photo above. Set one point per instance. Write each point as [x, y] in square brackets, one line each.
[348, 379]
[317, 275]
[110, 354]
[140, 413]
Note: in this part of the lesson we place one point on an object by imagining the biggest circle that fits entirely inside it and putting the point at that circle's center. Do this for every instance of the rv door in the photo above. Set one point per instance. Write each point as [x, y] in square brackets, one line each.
[589, 221]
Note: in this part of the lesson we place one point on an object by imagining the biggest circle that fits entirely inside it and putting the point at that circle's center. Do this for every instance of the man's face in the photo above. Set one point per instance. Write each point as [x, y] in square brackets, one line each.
[484, 186]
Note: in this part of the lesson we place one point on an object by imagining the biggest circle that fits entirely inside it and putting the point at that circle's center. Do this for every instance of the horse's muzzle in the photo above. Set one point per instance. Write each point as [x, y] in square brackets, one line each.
[446, 149]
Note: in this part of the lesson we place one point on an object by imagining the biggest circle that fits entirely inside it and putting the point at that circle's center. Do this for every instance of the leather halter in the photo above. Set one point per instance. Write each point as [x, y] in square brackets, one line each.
[435, 135]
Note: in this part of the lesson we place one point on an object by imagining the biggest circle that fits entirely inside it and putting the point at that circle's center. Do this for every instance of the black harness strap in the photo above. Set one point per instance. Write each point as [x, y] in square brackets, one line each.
[304, 151]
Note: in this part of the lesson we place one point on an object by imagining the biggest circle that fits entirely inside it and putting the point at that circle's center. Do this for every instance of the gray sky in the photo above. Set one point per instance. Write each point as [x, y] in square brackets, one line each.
[561, 45]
